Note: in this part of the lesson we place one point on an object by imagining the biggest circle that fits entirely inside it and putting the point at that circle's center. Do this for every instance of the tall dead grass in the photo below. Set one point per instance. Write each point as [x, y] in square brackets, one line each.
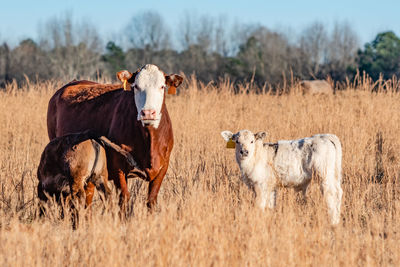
[205, 216]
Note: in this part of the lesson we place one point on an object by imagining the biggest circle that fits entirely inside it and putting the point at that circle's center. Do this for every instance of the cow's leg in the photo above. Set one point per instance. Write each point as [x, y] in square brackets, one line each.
[154, 187]
[118, 176]
[101, 177]
[121, 183]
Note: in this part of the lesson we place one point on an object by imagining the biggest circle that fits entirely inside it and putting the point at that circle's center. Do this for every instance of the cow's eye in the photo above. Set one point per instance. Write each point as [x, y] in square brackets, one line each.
[162, 87]
[237, 142]
[252, 141]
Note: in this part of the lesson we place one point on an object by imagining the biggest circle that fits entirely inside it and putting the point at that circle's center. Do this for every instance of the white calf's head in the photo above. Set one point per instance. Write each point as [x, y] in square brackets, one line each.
[245, 142]
[149, 84]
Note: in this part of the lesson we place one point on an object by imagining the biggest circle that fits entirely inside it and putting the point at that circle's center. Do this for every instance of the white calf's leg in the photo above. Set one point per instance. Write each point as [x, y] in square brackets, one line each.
[272, 199]
[303, 190]
[325, 168]
[260, 196]
[339, 194]
[265, 195]
[333, 195]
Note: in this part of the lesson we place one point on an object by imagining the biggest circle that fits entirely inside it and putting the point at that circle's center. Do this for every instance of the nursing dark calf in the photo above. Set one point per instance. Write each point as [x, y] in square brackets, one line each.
[73, 165]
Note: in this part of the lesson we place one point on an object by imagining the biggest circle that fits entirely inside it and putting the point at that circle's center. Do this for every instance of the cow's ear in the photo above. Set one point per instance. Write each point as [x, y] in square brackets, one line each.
[260, 135]
[126, 78]
[173, 81]
[227, 135]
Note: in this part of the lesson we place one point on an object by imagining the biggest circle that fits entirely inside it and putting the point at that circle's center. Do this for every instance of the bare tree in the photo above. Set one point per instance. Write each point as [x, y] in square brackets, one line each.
[239, 35]
[147, 39]
[341, 50]
[220, 37]
[5, 75]
[28, 60]
[148, 30]
[265, 56]
[313, 42]
[205, 33]
[210, 46]
[74, 49]
[197, 30]
[187, 31]
[195, 35]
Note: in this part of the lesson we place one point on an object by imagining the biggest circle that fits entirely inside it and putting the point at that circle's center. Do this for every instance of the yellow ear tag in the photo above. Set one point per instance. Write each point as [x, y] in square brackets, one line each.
[230, 143]
[125, 85]
[172, 90]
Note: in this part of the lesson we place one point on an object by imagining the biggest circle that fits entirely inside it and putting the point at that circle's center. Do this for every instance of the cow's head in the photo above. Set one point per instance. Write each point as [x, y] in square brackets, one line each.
[149, 84]
[245, 142]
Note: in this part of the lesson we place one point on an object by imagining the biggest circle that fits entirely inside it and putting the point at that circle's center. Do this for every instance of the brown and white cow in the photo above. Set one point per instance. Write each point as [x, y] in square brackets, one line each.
[135, 118]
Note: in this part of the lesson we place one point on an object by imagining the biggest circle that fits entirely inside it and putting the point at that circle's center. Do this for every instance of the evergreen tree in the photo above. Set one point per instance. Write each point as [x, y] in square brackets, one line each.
[381, 56]
[114, 58]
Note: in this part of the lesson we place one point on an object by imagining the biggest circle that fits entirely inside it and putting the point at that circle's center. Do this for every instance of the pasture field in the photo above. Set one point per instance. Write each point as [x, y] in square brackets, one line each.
[205, 215]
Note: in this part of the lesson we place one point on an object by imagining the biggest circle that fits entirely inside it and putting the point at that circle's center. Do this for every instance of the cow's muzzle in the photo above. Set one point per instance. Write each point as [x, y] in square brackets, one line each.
[148, 115]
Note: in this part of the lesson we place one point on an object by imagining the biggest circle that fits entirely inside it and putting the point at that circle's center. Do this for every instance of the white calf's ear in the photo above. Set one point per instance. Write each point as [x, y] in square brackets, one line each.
[226, 135]
[260, 135]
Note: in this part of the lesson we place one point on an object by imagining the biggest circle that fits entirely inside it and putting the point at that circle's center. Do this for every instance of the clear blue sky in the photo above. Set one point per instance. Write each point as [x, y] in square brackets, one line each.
[20, 18]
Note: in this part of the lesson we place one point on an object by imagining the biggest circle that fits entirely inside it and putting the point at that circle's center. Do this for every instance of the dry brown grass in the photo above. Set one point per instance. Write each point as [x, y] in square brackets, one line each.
[205, 216]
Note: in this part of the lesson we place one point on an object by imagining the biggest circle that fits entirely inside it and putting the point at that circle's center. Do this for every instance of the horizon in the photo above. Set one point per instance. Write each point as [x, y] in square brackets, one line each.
[366, 19]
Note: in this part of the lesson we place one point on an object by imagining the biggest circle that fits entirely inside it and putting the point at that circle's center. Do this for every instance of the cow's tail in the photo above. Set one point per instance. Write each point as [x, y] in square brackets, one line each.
[106, 142]
[338, 156]
[52, 118]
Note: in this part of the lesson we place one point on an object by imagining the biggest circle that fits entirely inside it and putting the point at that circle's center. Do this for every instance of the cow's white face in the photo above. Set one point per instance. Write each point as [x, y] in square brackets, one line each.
[149, 89]
[245, 143]
[149, 85]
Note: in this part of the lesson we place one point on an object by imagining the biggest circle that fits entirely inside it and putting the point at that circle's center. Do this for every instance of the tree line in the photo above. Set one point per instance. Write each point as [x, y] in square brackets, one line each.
[212, 48]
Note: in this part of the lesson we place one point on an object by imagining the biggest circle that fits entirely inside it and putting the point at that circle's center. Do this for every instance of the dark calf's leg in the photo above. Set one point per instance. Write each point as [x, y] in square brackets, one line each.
[77, 198]
[101, 184]
[89, 192]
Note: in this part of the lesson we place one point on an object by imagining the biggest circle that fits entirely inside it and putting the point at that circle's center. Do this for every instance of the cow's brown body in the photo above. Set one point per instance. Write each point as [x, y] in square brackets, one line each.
[111, 111]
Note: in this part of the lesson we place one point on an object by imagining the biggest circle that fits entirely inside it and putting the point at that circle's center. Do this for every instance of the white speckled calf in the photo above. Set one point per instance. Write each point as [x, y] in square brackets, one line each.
[265, 166]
